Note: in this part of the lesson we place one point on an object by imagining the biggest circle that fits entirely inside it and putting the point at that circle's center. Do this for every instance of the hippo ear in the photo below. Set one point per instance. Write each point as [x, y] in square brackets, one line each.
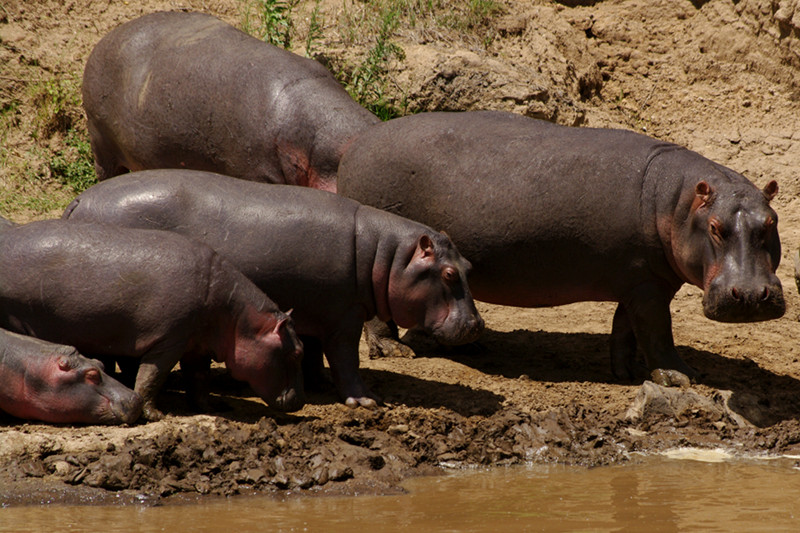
[770, 190]
[704, 193]
[280, 326]
[425, 246]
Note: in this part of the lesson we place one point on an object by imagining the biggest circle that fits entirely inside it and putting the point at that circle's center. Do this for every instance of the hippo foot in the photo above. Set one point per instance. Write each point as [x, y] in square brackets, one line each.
[666, 377]
[363, 401]
[386, 347]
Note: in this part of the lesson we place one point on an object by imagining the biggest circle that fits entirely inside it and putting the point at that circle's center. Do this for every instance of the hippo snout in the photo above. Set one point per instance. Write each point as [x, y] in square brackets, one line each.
[461, 333]
[291, 399]
[744, 302]
[126, 410]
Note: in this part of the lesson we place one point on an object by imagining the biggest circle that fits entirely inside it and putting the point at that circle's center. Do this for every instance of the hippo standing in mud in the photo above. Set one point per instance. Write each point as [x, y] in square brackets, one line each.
[335, 262]
[40, 380]
[550, 215]
[151, 295]
[186, 90]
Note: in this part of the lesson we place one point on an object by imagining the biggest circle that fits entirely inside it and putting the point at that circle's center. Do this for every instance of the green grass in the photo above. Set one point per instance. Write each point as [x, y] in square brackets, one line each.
[269, 20]
[73, 166]
[368, 82]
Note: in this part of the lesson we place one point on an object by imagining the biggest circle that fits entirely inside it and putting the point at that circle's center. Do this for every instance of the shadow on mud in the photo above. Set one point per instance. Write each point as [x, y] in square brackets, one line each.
[761, 396]
[233, 400]
[416, 392]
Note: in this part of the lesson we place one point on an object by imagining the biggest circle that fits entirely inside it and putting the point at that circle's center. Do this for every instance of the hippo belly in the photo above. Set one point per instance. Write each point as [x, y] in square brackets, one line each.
[551, 215]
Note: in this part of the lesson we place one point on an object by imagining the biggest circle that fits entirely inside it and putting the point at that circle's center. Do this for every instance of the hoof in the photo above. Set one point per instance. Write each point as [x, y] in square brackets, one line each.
[369, 403]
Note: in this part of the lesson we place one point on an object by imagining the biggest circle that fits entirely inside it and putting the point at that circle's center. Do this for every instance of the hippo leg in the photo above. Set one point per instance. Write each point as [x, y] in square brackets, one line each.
[383, 340]
[623, 347]
[106, 160]
[341, 349]
[648, 310]
[197, 380]
[313, 374]
[154, 367]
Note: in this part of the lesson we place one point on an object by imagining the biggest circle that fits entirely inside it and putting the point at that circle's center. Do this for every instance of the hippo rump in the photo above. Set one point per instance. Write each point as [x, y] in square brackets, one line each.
[550, 215]
[50, 382]
[335, 262]
[186, 90]
[154, 296]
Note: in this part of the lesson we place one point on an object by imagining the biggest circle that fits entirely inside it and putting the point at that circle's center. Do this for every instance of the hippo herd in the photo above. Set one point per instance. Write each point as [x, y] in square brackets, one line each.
[238, 180]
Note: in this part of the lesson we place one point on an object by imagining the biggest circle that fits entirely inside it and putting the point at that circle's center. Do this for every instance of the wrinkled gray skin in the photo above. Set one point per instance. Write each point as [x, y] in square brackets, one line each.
[5, 223]
[550, 215]
[333, 261]
[154, 296]
[40, 380]
[186, 90]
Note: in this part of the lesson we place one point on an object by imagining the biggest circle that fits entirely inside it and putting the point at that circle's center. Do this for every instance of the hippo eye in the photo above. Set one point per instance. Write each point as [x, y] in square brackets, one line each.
[449, 275]
[715, 228]
[93, 376]
[769, 223]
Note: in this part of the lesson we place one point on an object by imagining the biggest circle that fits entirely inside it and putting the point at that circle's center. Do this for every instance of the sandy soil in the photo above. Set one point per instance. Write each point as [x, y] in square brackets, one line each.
[719, 77]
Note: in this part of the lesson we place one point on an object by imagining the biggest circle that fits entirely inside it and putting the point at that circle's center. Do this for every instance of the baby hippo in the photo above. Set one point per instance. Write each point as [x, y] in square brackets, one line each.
[40, 380]
[154, 296]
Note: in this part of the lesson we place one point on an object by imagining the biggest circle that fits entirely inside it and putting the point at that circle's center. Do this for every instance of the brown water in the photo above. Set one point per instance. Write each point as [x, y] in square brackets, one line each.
[657, 494]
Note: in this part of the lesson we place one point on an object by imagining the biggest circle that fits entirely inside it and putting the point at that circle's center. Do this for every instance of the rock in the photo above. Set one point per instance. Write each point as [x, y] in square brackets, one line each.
[657, 401]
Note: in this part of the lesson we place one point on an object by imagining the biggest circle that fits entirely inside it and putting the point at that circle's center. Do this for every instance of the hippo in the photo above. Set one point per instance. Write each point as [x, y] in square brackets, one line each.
[5, 223]
[551, 215]
[155, 296]
[186, 90]
[335, 262]
[54, 383]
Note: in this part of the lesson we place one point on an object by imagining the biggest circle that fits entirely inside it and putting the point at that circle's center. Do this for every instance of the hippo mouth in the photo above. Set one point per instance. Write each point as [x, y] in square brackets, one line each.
[768, 305]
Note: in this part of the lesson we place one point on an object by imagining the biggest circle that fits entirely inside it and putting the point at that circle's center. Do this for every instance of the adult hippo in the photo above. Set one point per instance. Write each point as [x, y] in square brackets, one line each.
[153, 297]
[550, 215]
[40, 380]
[186, 90]
[335, 262]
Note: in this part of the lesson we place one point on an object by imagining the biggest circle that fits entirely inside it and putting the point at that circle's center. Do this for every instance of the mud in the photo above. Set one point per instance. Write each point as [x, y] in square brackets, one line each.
[717, 76]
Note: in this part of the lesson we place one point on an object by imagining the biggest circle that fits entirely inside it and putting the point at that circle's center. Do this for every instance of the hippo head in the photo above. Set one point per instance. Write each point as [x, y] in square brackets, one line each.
[268, 356]
[428, 289]
[729, 247]
[68, 387]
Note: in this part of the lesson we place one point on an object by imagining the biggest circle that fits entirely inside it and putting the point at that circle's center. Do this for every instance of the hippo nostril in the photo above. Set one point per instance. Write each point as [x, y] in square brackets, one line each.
[765, 294]
[736, 294]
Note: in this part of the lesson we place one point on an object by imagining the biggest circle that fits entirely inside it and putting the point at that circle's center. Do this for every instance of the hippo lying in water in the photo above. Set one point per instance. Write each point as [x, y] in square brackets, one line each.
[186, 90]
[335, 262]
[40, 380]
[550, 215]
[154, 296]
